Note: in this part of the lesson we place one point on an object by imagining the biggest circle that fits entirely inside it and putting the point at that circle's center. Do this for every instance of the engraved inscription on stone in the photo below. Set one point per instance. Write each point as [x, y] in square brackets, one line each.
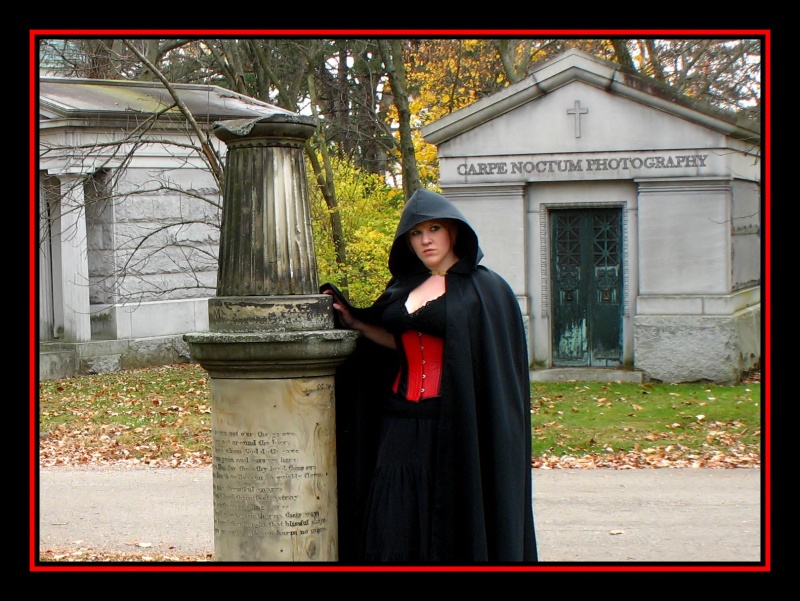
[274, 450]
[259, 482]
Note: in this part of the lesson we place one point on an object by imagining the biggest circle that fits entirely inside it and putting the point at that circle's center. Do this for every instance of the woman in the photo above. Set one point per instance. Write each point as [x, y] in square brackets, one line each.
[433, 407]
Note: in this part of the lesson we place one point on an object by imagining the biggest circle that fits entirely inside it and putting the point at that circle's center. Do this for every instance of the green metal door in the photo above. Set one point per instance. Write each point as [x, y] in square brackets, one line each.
[587, 287]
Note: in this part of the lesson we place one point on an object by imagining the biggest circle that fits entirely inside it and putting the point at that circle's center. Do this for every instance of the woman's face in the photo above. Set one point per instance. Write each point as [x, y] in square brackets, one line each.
[433, 244]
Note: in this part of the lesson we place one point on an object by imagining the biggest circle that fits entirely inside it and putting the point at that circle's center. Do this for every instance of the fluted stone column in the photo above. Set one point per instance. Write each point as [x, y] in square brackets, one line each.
[271, 352]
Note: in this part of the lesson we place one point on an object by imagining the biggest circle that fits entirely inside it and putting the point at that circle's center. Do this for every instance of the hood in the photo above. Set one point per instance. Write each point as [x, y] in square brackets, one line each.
[425, 205]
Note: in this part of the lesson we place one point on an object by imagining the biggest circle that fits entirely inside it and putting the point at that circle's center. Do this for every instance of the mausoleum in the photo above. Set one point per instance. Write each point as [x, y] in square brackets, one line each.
[627, 219]
[129, 217]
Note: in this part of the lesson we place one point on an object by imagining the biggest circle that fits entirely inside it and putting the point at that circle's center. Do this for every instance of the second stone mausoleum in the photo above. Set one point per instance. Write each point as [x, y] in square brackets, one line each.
[627, 219]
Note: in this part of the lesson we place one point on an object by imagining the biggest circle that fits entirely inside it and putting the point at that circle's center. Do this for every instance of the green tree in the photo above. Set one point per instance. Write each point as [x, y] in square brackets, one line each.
[369, 211]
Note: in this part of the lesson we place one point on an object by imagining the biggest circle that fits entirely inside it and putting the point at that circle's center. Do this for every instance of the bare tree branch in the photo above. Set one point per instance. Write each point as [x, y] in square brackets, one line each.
[208, 150]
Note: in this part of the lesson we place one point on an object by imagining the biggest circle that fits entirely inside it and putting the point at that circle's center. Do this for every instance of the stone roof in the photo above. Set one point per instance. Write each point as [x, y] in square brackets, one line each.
[574, 65]
[108, 100]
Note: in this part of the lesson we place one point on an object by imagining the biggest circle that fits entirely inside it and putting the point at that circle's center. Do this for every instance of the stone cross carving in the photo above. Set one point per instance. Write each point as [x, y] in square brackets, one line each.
[577, 111]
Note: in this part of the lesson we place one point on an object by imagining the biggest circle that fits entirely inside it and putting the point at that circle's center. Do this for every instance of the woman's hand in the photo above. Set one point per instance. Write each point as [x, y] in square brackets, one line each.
[345, 318]
[376, 333]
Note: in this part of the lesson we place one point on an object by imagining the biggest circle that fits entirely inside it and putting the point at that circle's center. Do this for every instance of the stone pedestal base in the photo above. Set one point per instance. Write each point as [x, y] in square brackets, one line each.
[274, 448]
[273, 418]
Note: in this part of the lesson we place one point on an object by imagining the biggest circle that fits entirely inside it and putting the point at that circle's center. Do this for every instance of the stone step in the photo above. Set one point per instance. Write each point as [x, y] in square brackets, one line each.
[55, 363]
[587, 374]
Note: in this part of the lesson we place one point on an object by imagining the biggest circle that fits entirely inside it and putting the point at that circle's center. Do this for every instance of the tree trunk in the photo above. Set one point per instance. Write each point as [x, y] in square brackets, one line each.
[392, 53]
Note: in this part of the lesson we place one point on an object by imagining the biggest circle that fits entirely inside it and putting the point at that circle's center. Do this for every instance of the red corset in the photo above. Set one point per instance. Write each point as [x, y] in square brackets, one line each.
[423, 354]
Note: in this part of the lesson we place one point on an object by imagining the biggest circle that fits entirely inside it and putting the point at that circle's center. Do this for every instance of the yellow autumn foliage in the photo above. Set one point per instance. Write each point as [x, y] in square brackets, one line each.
[370, 210]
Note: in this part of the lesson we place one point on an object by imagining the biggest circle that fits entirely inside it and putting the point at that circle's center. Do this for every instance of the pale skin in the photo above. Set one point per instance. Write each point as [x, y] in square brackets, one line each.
[433, 243]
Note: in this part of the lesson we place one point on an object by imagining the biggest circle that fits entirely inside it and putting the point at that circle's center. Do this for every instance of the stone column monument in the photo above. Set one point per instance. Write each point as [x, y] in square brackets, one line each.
[271, 352]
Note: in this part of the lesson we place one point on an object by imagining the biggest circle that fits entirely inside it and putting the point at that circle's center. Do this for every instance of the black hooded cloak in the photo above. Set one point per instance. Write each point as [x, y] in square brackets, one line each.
[482, 508]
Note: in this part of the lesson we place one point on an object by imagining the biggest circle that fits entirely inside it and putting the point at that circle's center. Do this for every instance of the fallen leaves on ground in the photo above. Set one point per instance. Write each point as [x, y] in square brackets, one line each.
[69, 448]
[654, 458]
[89, 555]
[68, 451]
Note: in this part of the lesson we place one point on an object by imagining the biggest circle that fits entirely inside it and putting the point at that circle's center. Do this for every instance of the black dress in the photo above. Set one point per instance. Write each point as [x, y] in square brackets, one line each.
[397, 525]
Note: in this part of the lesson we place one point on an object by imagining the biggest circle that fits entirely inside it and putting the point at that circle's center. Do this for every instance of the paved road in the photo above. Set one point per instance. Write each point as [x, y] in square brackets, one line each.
[594, 515]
